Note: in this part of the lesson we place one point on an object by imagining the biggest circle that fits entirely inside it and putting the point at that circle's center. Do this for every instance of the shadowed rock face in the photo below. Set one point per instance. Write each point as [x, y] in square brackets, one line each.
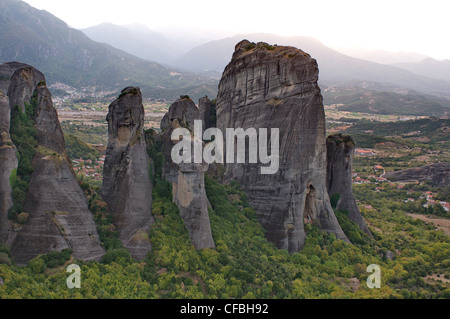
[127, 188]
[340, 150]
[24, 84]
[184, 111]
[8, 163]
[59, 216]
[8, 157]
[188, 181]
[276, 87]
[205, 108]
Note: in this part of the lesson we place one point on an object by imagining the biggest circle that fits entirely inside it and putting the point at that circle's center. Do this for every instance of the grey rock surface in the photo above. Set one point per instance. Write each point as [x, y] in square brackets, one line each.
[59, 216]
[23, 84]
[187, 179]
[184, 111]
[340, 150]
[8, 163]
[205, 108]
[190, 196]
[276, 87]
[127, 187]
[7, 69]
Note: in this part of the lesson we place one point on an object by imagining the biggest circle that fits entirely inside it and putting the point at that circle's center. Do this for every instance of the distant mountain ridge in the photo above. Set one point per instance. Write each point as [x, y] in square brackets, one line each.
[428, 67]
[335, 67]
[382, 56]
[67, 55]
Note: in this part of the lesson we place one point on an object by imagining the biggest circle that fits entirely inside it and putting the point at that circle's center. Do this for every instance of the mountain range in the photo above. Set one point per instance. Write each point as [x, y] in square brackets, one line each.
[335, 67]
[428, 67]
[68, 56]
[421, 78]
[136, 39]
[110, 57]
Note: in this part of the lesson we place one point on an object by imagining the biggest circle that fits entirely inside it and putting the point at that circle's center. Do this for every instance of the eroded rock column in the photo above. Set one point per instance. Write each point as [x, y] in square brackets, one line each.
[127, 187]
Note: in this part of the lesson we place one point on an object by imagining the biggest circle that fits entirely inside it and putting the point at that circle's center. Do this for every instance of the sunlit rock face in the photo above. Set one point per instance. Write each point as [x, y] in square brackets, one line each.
[269, 87]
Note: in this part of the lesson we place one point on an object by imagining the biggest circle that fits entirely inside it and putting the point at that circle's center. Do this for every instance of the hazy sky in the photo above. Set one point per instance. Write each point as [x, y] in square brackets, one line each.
[394, 25]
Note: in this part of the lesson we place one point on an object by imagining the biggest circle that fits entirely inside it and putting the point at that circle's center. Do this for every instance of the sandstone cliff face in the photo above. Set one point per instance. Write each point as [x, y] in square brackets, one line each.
[276, 87]
[187, 179]
[127, 188]
[58, 211]
[340, 150]
[8, 167]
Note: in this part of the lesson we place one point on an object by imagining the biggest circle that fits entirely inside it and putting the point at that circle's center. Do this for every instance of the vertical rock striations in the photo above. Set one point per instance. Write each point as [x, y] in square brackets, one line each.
[127, 187]
[340, 150]
[57, 208]
[187, 179]
[276, 87]
[8, 169]
[206, 110]
[8, 157]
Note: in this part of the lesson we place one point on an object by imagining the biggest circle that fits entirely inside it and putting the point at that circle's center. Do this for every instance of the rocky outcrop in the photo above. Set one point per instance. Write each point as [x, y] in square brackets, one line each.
[57, 208]
[187, 179]
[8, 168]
[437, 174]
[184, 111]
[269, 87]
[206, 110]
[340, 150]
[127, 187]
[7, 69]
[23, 86]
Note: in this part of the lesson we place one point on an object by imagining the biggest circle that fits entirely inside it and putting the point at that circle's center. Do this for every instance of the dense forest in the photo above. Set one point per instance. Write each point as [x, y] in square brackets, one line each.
[413, 255]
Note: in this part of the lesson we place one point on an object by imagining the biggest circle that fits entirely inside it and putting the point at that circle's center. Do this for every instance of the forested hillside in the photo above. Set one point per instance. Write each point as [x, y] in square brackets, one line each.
[410, 253]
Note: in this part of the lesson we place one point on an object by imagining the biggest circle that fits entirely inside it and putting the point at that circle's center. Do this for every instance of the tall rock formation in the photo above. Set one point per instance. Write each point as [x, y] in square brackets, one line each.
[8, 168]
[269, 87]
[187, 179]
[127, 187]
[57, 208]
[207, 110]
[438, 174]
[340, 150]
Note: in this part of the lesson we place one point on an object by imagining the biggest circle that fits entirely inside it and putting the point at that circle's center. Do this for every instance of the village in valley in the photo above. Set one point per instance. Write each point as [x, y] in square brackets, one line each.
[377, 178]
[89, 169]
[372, 158]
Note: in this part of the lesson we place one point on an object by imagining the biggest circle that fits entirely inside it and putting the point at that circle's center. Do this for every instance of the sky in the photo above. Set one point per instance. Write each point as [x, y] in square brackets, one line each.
[392, 25]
